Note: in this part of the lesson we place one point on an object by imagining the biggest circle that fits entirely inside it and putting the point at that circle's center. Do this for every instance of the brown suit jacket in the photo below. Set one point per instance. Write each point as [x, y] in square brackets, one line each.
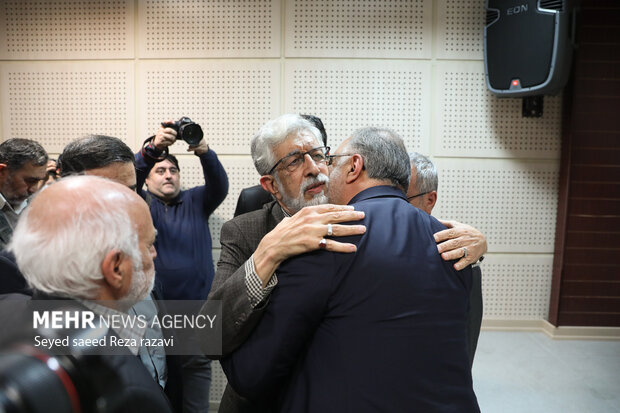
[240, 238]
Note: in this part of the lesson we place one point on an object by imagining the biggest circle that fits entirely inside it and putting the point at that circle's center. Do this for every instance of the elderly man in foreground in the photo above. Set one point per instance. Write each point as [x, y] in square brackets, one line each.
[116, 267]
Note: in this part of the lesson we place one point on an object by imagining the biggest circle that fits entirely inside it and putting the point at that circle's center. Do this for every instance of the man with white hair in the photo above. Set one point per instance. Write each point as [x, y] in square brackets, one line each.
[290, 156]
[116, 268]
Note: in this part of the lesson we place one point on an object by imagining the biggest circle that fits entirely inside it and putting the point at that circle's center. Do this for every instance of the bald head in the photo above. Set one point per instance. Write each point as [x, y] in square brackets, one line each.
[78, 196]
[63, 250]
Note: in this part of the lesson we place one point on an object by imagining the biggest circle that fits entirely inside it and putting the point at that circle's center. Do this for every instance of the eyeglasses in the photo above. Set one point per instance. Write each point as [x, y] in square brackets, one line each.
[415, 196]
[330, 158]
[294, 160]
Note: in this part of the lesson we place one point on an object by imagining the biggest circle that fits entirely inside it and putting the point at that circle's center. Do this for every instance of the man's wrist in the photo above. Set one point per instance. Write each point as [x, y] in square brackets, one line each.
[200, 152]
[151, 151]
[256, 289]
[265, 262]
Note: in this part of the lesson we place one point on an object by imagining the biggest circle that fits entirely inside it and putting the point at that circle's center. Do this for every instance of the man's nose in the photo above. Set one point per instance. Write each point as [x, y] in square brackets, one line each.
[311, 168]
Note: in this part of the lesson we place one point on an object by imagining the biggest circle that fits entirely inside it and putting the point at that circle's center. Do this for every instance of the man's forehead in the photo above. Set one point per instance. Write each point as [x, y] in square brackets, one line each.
[33, 171]
[167, 164]
[303, 140]
[342, 146]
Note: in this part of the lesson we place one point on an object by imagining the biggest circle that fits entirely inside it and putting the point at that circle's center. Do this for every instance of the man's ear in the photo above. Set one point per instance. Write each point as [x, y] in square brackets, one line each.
[430, 200]
[356, 168]
[268, 183]
[111, 269]
[4, 170]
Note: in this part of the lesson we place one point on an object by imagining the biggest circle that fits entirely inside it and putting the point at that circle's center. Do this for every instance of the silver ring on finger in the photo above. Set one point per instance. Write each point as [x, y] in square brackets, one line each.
[323, 243]
[464, 252]
[330, 230]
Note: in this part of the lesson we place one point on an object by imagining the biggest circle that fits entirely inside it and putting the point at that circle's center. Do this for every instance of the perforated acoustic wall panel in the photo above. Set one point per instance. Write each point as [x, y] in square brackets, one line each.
[346, 97]
[216, 28]
[358, 28]
[67, 29]
[512, 202]
[229, 99]
[516, 287]
[57, 102]
[472, 122]
[460, 25]
[218, 382]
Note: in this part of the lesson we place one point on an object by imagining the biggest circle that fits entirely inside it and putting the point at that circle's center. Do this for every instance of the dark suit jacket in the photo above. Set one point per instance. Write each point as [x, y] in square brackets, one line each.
[11, 279]
[252, 199]
[139, 392]
[383, 329]
[5, 230]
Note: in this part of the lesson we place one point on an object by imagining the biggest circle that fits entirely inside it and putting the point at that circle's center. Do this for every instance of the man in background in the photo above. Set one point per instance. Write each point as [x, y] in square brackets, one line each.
[22, 169]
[422, 194]
[184, 263]
[99, 155]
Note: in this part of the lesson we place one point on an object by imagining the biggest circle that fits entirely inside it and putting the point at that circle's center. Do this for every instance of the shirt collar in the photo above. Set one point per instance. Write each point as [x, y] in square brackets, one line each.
[18, 209]
[379, 191]
[130, 332]
[286, 214]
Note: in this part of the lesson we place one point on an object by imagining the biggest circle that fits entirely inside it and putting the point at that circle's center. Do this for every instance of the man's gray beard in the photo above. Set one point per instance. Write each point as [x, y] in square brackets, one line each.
[139, 289]
[333, 192]
[297, 203]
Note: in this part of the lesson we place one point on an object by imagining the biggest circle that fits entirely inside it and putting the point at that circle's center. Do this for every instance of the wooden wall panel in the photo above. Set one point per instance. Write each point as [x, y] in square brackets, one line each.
[586, 271]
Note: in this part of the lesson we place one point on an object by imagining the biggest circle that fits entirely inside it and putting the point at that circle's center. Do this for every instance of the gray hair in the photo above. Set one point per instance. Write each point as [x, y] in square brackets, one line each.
[64, 258]
[426, 174]
[384, 153]
[16, 152]
[274, 133]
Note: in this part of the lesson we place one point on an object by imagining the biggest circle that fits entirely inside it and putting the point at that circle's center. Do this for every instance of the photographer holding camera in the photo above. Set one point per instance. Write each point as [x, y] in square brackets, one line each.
[184, 263]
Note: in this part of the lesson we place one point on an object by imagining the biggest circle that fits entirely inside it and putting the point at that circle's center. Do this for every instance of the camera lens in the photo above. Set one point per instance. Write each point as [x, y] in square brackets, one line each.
[191, 133]
[27, 384]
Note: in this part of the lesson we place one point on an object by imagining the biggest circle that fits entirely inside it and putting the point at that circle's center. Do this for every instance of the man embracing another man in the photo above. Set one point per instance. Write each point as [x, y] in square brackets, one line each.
[383, 329]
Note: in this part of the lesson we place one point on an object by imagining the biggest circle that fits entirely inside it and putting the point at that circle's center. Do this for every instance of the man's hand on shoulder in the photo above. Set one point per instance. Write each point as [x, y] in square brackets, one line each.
[460, 241]
[303, 232]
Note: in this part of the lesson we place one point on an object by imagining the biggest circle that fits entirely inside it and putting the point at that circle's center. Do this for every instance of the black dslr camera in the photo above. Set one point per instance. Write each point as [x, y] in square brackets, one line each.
[187, 130]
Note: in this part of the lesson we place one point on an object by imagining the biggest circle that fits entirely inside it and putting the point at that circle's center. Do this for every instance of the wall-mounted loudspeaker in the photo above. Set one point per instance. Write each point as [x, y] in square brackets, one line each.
[528, 46]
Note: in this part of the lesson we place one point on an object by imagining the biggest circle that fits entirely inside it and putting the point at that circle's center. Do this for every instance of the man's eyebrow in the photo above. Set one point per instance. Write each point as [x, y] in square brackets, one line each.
[295, 152]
